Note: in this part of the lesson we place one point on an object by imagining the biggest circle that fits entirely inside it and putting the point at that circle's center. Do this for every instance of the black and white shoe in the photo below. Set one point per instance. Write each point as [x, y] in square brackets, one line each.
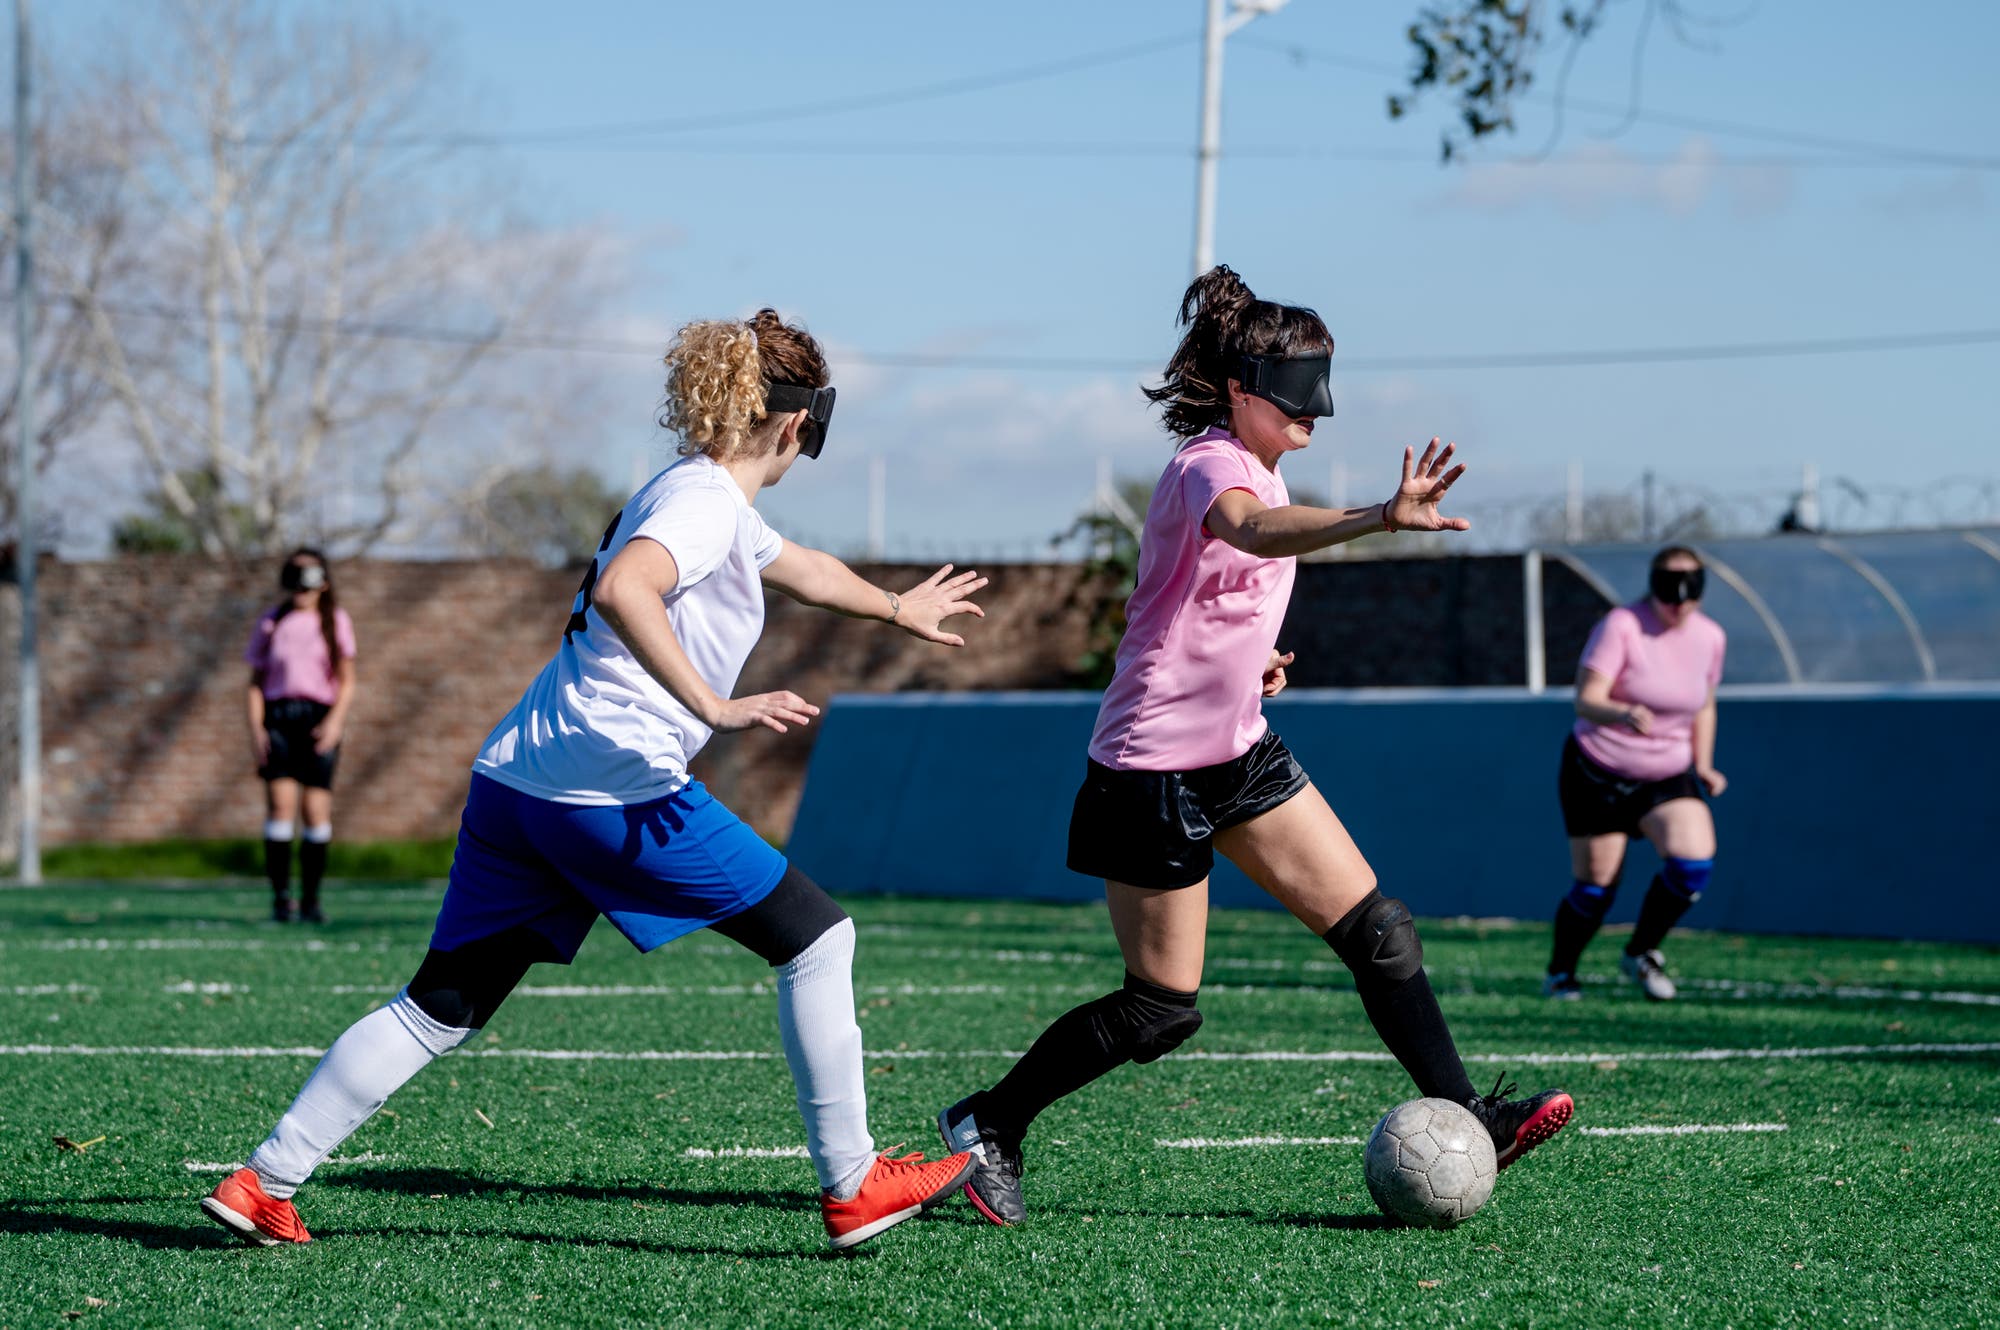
[995, 1185]
[1519, 1125]
[1649, 970]
[1561, 987]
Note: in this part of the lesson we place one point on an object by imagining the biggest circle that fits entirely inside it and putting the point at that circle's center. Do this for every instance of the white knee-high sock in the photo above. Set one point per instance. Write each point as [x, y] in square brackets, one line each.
[823, 1048]
[358, 1074]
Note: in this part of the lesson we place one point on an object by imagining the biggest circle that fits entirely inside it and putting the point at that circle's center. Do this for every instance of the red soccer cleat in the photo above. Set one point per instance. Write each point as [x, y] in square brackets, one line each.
[895, 1189]
[239, 1204]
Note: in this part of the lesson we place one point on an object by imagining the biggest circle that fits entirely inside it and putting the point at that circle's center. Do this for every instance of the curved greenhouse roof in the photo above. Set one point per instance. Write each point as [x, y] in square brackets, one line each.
[1881, 607]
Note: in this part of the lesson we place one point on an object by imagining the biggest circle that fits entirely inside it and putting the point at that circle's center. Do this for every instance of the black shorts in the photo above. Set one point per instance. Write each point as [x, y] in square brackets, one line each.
[288, 724]
[1156, 828]
[1598, 802]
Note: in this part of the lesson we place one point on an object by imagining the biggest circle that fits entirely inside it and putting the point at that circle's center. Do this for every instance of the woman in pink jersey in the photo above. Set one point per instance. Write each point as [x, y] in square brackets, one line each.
[1182, 762]
[301, 658]
[1639, 762]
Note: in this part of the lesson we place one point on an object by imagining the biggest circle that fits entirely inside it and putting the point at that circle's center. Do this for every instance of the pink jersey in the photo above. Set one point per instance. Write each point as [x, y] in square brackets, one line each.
[290, 654]
[1669, 671]
[1189, 686]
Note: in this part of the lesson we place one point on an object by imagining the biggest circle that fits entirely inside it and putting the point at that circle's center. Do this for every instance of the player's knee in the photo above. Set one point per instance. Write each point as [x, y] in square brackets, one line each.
[1591, 900]
[792, 918]
[1378, 941]
[1686, 878]
[440, 1033]
[1143, 1021]
[462, 988]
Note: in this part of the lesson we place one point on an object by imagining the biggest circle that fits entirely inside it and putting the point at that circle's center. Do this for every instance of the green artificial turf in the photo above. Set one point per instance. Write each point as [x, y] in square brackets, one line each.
[580, 1203]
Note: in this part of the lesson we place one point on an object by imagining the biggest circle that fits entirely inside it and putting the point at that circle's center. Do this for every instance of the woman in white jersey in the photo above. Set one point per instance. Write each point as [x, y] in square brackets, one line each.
[1182, 763]
[581, 804]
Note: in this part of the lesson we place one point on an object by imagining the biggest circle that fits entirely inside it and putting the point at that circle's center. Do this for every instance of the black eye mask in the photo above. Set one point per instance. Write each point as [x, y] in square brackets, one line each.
[302, 577]
[1677, 586]
[1296, 386]
[817, 403]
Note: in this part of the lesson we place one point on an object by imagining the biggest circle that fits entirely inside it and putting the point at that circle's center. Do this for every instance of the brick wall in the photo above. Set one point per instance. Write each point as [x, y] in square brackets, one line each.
[143, 686]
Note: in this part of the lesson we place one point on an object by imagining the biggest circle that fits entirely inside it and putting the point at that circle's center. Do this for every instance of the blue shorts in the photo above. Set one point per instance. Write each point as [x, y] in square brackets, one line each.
[657, 870]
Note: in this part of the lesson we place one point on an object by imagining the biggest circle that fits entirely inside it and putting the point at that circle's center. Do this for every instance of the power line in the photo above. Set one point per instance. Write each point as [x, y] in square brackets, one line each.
[1178, 151]
[1708, 124]
[586, 344]
[922, 92]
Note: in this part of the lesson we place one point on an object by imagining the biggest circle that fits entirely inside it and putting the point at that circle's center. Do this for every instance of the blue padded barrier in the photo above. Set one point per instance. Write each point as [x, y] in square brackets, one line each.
[1850, 811]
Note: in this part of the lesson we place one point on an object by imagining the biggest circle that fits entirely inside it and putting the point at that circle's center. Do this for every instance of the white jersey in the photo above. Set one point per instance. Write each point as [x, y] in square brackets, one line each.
[594, 727]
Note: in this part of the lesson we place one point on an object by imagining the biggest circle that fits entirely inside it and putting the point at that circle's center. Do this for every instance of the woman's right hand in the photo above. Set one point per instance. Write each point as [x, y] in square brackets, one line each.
[260, 748]
[772, 710]
[1639, 719]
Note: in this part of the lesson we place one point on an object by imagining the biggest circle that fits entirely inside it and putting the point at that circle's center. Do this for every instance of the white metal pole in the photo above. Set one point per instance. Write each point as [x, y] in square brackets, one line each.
[1573, 505]
[1211, 138]
[878, 507]
[30, 864]
[1531, 620]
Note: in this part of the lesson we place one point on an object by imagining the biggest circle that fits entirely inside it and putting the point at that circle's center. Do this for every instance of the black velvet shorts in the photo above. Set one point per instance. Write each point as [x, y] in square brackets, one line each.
[1156, 828]
[1597, 801]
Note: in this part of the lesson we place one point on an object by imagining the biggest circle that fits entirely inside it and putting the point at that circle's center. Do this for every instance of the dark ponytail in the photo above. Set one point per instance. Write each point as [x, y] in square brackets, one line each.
[1225, 321]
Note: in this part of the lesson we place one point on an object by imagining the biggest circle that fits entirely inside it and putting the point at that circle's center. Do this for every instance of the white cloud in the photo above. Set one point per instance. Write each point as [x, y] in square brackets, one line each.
[1598, 178]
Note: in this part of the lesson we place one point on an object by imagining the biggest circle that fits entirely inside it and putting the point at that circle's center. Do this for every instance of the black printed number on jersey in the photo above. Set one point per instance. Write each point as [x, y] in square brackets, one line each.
[579, 615]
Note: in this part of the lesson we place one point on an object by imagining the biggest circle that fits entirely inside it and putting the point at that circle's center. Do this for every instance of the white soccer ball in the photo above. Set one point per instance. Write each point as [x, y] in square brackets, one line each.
[1430, 1163]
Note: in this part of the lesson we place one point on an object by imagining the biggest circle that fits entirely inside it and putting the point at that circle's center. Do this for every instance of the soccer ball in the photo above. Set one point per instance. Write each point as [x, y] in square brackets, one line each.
[1430, 1163]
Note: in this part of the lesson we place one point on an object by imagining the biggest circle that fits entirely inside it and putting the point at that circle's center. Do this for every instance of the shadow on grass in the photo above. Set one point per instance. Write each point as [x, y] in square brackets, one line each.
[452, 1182]
[30, 1217]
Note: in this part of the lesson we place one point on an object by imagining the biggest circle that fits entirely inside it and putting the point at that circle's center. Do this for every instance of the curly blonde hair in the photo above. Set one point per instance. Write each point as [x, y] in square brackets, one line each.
[718, 371]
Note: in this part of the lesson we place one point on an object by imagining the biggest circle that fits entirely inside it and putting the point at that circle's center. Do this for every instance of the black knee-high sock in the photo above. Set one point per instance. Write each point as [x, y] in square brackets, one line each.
[1404, 1011]
[278, 867]
[1574, 930]
[1658, 913]
[1083, 1044]
[312, 869]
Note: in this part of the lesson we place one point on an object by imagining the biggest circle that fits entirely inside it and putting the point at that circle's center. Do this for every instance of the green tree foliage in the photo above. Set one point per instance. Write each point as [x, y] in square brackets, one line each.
[162, 527]
[551, 514]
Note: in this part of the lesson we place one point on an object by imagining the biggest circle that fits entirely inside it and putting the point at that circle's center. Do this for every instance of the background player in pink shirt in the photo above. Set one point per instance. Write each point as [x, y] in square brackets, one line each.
[301, 658]
[1182, 763]
[1639, 762]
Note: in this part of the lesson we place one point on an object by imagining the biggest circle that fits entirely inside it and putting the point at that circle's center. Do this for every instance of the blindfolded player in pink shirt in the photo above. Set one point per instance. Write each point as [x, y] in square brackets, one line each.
[1182, 763]
[301, 658]
[1640, 761]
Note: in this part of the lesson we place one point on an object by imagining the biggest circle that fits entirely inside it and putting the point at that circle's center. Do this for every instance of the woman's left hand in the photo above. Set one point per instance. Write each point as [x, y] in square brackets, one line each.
[1274, 673]
[926, 605]
[1414, 506]
[1712, 780]
[326, 735]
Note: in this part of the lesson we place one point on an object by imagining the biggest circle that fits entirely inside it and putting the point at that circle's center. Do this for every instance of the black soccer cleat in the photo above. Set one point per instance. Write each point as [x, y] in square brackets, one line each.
[1519, 1125]
[281, 910]
[995, 1185]
[312, 914]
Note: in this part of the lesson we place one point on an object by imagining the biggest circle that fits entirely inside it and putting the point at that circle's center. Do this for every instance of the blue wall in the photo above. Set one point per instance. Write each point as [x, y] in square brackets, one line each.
[1863, 813]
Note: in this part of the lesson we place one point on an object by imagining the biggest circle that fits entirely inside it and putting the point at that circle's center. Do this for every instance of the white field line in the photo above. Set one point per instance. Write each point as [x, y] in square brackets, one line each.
[197, 944]
[1685, 1129]
[914, 1054]
[1677, 1129]
[49, 990]
[1239, 1142]
[747, 1152]
[367, 1157]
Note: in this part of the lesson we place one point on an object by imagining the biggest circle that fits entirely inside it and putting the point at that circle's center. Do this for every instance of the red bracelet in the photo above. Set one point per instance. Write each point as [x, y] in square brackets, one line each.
[1387, 525]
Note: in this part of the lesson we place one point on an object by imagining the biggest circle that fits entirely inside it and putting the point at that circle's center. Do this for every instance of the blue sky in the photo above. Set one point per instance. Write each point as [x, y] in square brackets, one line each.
[1661, 236]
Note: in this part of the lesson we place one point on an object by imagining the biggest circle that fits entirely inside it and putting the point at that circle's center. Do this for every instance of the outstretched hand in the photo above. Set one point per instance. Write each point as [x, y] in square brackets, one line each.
[1415, 504]
[929, 603]
[1274, 672]
[774, 711]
